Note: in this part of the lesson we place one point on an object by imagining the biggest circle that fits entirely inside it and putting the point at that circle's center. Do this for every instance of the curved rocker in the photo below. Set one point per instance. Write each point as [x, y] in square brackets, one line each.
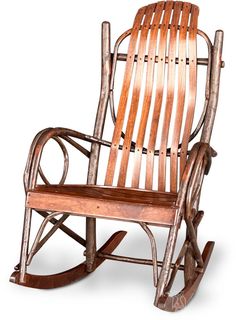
[68, 276]
[180, 300]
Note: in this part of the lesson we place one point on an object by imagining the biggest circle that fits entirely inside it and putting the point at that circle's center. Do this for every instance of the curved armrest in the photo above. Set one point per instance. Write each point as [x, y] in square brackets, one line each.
[33, 162]
[198, 153]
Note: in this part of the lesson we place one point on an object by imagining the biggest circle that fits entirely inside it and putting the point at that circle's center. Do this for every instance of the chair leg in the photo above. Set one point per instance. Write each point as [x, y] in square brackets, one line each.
[193, 273]
[91, 247]
[180, 300]
[189, 260]
[37, 244]
[165, 270]
[25, 243]
[189, 265]
[154, 251]
[21, 277]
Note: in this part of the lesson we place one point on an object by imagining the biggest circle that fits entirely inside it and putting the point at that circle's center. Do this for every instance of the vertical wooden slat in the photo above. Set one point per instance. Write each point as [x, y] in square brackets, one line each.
[170, 95]
[178, 97]
[135, 94]
[123, 97]
[147, 94]
[181, 96]
[158, 94]
[192, 85]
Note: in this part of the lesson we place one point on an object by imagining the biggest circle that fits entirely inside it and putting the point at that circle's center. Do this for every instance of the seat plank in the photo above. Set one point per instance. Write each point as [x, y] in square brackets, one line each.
[106, 202]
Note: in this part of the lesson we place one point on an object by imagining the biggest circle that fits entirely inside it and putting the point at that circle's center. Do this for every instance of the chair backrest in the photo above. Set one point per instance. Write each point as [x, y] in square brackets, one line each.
[158, 97]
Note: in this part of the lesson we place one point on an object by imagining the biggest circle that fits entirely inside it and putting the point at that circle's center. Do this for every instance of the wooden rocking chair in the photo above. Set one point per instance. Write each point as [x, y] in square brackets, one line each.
[151, 141]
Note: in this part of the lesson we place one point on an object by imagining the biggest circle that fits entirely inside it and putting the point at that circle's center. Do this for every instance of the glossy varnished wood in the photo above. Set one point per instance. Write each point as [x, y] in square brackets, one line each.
[173, 27]
[110, 193]
[135, 95]
[147, 95]
[170, 95]
[104, 202]
[158, 95]
[180, 97]
[124, 97]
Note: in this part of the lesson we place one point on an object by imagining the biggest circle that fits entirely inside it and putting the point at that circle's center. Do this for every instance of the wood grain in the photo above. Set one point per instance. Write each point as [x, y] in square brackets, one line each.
[124, 97]
[147, 95]
[158, 94]
[181, 96]
[167, 32]
[135, 95]
[192, 85]
[104, 202]
[170, 95]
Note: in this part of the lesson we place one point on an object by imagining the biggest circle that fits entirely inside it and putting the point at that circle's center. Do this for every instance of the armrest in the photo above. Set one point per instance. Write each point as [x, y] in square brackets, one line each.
[200, 151]
[33, 161]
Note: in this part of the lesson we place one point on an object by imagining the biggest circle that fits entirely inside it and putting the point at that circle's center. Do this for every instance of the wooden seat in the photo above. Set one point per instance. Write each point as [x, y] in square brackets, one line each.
[106, 202]
[159, 154]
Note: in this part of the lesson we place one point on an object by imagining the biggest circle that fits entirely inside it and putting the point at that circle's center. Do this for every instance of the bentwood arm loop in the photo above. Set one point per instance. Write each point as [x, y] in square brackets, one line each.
[199, 151]
[33, 163]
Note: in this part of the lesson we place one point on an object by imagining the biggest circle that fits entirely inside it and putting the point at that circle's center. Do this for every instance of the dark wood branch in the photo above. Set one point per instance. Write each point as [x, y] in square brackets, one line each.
[77, 146]
[134, 260]
[65, 229]
[200, 61]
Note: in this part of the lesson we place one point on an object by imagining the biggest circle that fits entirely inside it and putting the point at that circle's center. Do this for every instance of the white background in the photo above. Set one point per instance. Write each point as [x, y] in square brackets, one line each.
[50, 76]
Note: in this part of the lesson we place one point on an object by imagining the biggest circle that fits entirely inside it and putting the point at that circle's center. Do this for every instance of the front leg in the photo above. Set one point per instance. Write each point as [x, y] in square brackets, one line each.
[33, 170]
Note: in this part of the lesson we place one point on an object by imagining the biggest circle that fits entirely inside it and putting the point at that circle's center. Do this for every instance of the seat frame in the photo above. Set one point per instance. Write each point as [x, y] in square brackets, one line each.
[198, 164]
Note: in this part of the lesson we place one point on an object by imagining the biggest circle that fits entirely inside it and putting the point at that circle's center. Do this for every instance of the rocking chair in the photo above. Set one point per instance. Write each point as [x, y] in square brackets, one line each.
[153, 177]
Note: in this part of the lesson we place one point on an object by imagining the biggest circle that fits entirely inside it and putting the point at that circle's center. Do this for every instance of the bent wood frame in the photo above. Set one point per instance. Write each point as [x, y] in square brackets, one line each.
[197, 166]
